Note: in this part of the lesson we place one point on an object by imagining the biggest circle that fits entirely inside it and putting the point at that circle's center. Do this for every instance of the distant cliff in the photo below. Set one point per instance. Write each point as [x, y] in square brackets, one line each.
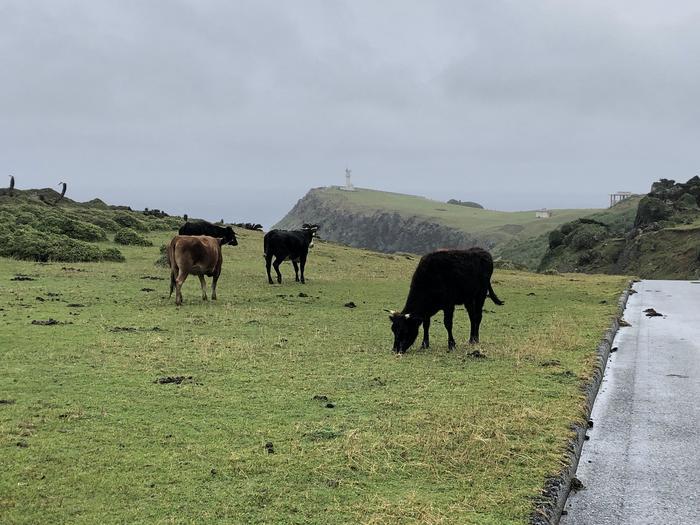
[383, 231]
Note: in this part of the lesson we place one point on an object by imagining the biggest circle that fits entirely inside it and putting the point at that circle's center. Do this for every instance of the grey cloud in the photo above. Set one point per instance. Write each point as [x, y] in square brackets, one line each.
[235, 109]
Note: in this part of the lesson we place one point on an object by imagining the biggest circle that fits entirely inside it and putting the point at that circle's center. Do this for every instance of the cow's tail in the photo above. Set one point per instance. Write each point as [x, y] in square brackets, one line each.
[170, 254]
[494, 297]
[266, 245]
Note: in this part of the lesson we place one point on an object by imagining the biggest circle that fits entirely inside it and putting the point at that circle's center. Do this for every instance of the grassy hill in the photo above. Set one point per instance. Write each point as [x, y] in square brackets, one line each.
[89, 433]
[659, 238]
[392, 222]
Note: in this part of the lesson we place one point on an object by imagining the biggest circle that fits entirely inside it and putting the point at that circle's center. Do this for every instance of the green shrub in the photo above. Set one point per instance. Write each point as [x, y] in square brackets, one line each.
[112, 254]
[556, 238]
[162, 260]
[129, 237]
[586, 236]
[75, 229]
[31, 244]
[103, 222]
[25, 217]
[129, 221]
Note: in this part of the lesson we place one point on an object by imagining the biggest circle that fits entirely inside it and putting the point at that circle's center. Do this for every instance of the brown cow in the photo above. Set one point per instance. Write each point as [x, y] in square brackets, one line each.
[194, 254]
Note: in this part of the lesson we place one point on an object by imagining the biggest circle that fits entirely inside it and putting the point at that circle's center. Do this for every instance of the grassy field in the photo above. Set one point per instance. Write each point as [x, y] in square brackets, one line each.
[88, 435]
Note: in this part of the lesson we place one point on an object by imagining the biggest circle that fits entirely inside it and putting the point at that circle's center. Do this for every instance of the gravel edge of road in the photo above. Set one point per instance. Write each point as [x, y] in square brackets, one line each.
[549, 507]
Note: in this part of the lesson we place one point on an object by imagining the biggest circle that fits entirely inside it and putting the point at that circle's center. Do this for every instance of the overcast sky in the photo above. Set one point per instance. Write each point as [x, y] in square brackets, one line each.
[233, 109]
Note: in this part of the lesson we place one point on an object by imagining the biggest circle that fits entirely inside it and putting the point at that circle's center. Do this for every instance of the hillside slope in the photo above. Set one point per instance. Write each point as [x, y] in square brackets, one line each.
[661, 242]
[393, 222]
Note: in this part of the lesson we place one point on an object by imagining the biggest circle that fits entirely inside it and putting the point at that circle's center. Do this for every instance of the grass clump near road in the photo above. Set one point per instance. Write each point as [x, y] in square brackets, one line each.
[279, 404]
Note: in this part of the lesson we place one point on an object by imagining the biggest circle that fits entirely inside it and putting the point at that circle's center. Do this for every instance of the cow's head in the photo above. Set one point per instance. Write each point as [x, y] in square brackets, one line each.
[230, 237]
[313, 228]
[405, 328]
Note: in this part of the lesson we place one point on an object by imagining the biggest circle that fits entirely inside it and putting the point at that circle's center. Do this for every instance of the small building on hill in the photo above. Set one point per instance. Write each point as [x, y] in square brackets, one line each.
[544, 213]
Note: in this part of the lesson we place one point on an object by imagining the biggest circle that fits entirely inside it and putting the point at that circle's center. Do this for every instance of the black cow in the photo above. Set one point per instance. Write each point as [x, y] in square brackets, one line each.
[442, 280]
[293, 245]
[211, 230]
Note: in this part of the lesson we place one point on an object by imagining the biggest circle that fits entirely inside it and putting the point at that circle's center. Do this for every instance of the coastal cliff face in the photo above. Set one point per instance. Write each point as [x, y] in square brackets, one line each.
[376, 230]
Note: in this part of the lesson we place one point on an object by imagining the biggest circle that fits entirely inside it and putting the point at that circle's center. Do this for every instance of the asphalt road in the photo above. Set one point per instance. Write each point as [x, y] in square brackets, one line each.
[642, 462]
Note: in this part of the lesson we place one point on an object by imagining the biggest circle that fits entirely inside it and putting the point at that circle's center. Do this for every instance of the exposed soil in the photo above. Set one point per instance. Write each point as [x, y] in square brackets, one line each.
[172, 379]
[320, 398]
[153, 278]
[75, 305]
[131, 329]
[148, 289]
[350, 305]
[71, 269]
[22, 277]
[49, 322]
[7, 401]
[476, 354]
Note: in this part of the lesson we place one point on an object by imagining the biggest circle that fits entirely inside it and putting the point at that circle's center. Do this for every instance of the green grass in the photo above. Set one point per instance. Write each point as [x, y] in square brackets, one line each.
[432, 437]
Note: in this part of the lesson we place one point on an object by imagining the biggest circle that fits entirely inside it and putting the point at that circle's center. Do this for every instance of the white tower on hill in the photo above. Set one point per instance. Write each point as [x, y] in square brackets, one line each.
[348, 183]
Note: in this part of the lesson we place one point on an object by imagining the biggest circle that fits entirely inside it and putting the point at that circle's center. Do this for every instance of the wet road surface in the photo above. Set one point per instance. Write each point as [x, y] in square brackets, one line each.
[642, 462]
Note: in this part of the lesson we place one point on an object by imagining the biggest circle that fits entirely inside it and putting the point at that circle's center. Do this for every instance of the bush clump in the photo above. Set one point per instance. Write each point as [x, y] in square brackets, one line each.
[162, 260]
[129, 221]
[586, 236]
[112, 254]
[30, 244]
[75, 229]
[129, 237]
[556, 238]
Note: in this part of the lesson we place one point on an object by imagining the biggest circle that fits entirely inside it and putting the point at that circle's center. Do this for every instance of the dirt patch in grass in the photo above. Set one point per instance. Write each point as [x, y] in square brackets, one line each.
[133, 329]
[172, 379]
[22, 277]
[49, 322]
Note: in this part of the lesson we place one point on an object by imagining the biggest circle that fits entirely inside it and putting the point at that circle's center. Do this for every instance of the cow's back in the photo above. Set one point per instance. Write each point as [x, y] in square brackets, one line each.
[195, 253]
[452, 276]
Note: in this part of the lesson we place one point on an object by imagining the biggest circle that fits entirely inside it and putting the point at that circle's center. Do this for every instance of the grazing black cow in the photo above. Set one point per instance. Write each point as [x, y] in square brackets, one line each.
[212, 230]
[442, 280]
[197, 255]
[293, 245]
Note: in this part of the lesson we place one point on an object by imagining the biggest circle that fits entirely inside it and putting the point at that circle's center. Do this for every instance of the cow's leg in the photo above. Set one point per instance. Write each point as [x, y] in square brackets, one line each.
[203, 284]
[178, 287]
[213, 286]
[296, 269]
[475, 310]
[302, 264]
[447, 319]
[276, 266]
[268, 262]
[173, 274]
[426, 335]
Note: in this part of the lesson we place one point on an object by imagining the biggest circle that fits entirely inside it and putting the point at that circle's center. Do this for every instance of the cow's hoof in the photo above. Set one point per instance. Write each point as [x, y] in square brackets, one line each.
[424, 346]
[473, 341]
